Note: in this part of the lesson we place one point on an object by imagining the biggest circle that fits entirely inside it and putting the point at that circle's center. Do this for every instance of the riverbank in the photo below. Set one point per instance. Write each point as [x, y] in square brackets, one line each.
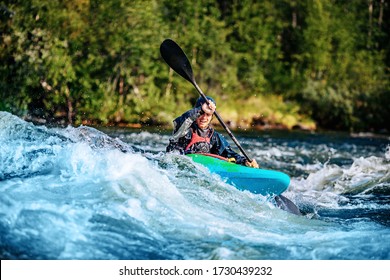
[258, 113]
[269, 112]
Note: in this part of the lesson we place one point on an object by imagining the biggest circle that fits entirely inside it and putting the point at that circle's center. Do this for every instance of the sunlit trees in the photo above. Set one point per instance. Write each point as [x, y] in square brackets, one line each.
[98, 61]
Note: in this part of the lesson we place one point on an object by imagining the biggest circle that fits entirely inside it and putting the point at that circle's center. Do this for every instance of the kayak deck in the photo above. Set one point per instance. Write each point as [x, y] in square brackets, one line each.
[255, 180]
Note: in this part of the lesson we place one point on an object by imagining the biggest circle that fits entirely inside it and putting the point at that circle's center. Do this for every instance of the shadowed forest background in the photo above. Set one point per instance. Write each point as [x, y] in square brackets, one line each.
[272, 63]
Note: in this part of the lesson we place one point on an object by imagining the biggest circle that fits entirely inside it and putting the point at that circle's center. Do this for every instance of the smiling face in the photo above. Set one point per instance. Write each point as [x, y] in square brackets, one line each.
[204, 120]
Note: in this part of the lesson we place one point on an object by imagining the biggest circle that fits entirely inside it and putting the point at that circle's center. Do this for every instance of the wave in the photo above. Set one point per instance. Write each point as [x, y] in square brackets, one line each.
[77, 193]
[62, 187]
[365, 176]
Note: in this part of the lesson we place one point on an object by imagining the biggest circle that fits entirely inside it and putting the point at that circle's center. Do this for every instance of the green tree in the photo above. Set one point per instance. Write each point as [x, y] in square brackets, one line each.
[98, 61]
[198, 28]
[342, 71]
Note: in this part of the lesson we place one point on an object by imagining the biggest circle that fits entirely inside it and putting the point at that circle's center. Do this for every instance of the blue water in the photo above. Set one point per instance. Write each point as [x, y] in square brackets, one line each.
[83, 193]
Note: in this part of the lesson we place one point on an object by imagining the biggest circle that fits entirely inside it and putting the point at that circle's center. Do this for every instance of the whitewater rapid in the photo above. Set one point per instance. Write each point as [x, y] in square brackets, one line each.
[83, 193]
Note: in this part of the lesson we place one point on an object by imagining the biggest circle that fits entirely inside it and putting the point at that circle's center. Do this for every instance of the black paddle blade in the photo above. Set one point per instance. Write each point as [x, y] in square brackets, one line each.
[176, 59]
[286, 204]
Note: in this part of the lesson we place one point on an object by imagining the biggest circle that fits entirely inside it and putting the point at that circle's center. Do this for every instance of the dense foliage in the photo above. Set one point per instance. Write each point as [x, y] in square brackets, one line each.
[99, 61]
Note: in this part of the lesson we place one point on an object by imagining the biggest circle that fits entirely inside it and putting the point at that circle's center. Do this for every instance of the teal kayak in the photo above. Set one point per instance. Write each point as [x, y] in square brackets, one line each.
[255, 180]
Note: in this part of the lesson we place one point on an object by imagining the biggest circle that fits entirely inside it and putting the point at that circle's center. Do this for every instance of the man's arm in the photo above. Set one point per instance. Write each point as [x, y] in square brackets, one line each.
[224, 149]
[181, 125]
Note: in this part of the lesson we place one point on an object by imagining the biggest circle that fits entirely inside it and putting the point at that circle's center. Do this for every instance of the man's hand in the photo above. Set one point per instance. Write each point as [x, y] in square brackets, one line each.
[209, 109]
[252, 163]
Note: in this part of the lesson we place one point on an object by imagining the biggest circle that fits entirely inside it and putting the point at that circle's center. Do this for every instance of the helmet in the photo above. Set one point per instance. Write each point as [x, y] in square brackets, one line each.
[201, 100]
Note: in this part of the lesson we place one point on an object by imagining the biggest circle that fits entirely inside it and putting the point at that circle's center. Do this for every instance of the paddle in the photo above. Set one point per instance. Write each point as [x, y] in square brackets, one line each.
[178, 61]
[175, 57]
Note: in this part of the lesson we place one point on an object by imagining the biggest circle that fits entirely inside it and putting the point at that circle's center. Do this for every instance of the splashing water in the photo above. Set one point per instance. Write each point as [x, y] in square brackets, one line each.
[81, 193]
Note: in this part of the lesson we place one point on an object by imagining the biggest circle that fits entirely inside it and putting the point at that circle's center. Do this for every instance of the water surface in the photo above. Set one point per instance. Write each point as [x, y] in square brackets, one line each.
[86, 193]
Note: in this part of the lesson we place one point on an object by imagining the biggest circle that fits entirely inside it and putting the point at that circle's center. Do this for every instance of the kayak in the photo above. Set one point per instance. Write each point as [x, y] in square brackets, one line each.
[255, 180]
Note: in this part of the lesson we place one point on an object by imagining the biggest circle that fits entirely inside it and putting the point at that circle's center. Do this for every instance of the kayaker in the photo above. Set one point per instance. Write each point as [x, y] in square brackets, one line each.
[192, 133]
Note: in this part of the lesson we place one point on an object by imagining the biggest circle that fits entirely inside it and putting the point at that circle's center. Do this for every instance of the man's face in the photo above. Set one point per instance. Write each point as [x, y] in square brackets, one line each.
[204, 120]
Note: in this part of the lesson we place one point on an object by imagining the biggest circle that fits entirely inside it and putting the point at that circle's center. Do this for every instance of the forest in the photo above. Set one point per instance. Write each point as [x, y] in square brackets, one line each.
[273, 63]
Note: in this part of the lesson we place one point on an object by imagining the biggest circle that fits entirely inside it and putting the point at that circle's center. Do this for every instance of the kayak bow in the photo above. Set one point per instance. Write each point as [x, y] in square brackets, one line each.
[255, 180]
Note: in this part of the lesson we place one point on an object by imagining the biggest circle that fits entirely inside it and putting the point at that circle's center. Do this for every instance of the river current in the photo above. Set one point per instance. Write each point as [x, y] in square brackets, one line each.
[87, 193]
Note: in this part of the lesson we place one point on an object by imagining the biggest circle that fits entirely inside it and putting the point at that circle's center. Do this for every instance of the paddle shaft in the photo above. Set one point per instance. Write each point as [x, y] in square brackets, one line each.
[222, 122]
[175, 57]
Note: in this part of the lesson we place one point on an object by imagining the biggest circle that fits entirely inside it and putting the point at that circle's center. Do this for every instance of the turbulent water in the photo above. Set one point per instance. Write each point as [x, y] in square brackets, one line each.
[83, 193]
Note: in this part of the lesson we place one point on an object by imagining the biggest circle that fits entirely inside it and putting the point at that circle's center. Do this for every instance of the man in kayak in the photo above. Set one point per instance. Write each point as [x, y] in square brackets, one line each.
[192, 133]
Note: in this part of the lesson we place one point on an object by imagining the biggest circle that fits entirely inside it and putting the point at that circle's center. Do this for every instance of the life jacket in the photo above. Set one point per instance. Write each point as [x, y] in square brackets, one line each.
[199, 144]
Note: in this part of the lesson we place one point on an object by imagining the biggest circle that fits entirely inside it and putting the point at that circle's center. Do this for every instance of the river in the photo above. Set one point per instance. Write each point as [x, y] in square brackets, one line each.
[86, 193]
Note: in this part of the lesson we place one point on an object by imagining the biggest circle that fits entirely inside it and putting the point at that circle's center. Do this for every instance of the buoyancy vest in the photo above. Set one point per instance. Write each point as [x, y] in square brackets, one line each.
[199, 143]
